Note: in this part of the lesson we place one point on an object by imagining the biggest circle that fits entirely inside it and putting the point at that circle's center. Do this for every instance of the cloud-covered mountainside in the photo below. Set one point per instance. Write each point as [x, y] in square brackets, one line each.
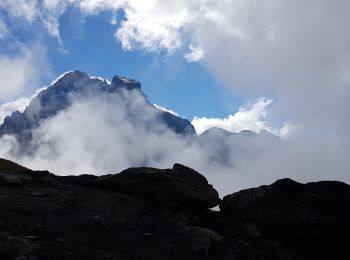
[76, 85]
[84, 124]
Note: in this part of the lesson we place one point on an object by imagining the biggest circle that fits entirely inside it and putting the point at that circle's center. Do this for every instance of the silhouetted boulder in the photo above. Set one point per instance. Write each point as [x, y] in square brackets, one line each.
[7, 166]
[176, 187]
[310, 219]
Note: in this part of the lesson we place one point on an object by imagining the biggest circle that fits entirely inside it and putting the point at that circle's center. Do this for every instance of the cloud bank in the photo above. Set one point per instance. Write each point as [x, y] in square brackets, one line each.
[107, 133]
[250, 118]
[123, 130]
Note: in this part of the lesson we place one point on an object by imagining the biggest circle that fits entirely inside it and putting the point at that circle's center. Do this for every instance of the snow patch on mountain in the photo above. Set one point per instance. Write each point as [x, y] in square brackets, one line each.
[166, 110]
[101, 79]
[61, 77]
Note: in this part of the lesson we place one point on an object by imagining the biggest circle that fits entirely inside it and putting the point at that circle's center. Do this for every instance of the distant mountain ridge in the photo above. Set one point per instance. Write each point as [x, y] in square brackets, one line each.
[57, 97]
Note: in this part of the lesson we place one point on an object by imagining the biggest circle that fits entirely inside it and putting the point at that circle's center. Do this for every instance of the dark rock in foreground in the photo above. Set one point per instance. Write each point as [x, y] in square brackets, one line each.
[178, 187]
[312, 220]
[146, 213]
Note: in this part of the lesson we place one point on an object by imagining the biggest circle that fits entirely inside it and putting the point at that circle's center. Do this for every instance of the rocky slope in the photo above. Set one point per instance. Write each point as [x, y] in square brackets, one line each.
[146, 213]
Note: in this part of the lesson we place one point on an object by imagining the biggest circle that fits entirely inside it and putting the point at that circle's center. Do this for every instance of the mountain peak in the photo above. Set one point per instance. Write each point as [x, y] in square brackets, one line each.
[58, 97]
[216, 131]
[69, 80]
[70, 76]
[119, 81]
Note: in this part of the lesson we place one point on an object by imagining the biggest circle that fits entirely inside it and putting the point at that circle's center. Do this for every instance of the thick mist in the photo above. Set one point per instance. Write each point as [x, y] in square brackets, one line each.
[106, 133]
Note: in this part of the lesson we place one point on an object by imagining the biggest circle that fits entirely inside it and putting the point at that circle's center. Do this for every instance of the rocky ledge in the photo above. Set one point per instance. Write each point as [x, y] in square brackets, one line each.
[147, 213]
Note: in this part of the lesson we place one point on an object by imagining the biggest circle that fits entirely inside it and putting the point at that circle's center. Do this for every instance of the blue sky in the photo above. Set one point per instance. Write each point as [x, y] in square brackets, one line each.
[169, 81]
[40, 40]
[88, 44]
[208, 59]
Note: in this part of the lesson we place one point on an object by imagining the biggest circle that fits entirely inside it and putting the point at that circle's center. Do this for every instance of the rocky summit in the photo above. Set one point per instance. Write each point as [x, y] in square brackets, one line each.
[77, 84]
[148, 213]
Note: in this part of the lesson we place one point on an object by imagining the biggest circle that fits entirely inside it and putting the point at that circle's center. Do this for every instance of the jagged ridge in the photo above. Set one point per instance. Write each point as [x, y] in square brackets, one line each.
[58, 97]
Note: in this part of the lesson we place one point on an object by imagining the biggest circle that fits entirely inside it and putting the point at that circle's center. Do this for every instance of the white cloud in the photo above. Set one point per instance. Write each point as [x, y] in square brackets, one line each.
[17, 105]
[194, 54]
[150, 28]
[247, 118]
[15, 73]
[114, 20]
[22, 72]
[296, 51]
[52, 27]
[131, 136]
[3, 30]
[50, 12]
[53, 4]
[96, 6]
[125, 132]
[22, 12]
[152, 25]
[26, 9]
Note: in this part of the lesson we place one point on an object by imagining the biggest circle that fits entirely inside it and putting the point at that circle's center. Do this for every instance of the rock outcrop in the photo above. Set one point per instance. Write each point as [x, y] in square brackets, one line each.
[147, 213]
[311, 220]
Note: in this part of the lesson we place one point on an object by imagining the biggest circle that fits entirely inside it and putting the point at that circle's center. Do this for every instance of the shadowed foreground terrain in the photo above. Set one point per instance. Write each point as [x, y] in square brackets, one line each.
[146, 213]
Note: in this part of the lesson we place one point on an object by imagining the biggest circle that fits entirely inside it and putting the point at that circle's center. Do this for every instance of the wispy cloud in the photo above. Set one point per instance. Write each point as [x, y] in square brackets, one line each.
[125, 132]
[19, 104]
[24, 9]
[247, 118]
[22, 72]
[3, 30]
